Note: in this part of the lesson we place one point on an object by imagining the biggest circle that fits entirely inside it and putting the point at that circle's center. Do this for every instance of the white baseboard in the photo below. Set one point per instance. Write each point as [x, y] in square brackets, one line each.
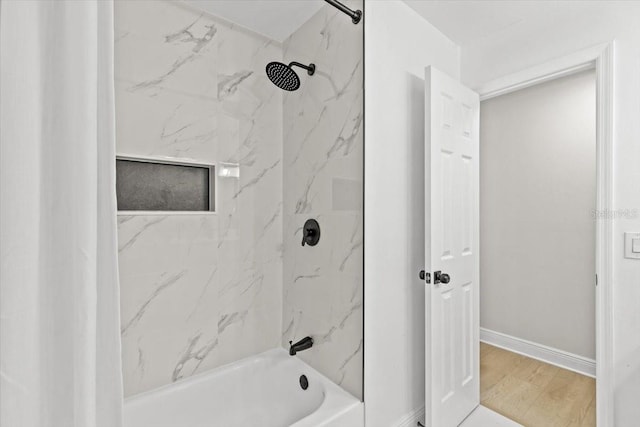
[411, 419]
[553, 356]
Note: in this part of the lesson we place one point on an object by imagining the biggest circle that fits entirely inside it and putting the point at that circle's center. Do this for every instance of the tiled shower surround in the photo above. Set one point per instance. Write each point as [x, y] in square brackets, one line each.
[323, 170]
[198, 291]
[202, 290]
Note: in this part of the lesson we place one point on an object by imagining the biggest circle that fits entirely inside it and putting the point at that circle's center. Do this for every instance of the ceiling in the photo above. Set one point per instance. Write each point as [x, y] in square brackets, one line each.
[463, 21]
[466, 21]
[275, 19]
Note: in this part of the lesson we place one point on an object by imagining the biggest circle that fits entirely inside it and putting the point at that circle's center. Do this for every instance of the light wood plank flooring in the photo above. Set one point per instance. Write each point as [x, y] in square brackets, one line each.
[534, 393]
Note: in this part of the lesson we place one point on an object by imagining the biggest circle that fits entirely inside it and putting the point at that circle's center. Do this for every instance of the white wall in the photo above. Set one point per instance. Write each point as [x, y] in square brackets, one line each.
[519, 47]
[399, 44]
[537, 231]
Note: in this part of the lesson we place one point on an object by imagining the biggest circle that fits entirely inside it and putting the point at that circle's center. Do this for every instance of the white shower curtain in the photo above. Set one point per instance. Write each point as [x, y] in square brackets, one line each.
[60, 360]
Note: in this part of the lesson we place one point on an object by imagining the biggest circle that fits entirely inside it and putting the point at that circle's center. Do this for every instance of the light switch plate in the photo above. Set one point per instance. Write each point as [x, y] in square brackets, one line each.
[632, 245]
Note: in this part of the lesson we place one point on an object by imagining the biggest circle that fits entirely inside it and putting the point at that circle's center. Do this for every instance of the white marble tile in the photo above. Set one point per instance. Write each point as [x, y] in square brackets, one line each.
[168, 268]
[323, 144]
[198, 291]
[165, 47]
[323, 296]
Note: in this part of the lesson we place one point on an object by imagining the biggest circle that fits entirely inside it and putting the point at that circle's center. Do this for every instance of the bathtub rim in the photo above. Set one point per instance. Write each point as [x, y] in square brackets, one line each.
[336, 401]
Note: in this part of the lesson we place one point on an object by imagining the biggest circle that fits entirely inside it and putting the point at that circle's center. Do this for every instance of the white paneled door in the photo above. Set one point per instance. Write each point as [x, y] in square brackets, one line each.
[452, 305]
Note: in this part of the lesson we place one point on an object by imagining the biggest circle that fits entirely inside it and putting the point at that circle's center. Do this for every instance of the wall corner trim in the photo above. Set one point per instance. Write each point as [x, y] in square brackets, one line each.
[553, 356]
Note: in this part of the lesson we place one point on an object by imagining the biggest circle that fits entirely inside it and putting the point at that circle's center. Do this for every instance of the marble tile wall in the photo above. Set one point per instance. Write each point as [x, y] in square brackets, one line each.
[198, 290]
[323, 176]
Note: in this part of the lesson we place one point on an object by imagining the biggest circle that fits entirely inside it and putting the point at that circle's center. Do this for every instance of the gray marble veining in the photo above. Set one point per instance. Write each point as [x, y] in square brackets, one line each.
[228, 85]
[186, 36]
[132, 239]
[172, 279]
[256, 179]
[193, 355]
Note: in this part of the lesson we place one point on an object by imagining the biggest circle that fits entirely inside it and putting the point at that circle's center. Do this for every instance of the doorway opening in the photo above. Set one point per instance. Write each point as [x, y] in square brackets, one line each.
[452, 181]
[537, 252]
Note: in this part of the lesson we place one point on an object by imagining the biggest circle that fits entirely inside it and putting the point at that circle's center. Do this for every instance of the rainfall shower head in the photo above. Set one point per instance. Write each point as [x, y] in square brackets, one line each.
[284, 77]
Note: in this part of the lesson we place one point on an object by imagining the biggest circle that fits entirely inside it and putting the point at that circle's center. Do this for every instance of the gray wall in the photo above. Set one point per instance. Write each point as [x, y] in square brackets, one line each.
[537, 196]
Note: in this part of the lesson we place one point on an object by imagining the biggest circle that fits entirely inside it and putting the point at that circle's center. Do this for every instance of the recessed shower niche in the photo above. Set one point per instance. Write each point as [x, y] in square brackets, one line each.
[160, 185]
[202, 290]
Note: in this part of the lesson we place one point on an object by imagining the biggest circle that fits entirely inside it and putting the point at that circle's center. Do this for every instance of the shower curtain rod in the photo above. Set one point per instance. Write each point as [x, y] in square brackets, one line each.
[356, 15]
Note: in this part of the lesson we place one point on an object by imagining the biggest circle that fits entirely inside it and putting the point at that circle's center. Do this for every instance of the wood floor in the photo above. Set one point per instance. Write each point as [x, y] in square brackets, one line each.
[534, 393]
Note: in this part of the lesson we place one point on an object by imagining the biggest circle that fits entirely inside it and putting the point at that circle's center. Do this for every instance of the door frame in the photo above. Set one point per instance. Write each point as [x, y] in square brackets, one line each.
[600, 57]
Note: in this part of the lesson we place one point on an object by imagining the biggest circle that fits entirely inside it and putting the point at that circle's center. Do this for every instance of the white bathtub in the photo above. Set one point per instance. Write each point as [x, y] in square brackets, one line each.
[263, 390]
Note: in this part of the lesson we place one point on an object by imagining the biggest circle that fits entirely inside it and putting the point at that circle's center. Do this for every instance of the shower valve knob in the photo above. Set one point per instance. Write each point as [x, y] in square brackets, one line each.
[310, 232]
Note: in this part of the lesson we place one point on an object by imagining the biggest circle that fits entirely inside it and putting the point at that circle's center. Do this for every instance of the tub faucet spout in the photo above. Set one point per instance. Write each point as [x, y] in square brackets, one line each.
[303, 344]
